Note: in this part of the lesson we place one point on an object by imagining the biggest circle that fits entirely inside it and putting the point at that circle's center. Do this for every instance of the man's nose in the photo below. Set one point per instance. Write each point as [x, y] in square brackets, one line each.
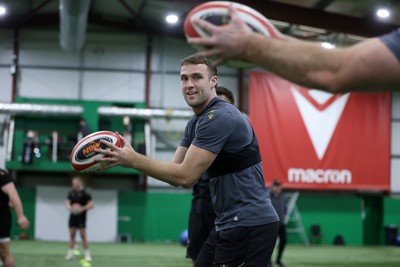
[189, 83]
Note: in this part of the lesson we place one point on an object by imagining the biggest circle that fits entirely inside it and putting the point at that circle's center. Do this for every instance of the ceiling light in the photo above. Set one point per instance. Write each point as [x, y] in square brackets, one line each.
[172, 19]
[327, 45]
[383, 12]
[3, 10]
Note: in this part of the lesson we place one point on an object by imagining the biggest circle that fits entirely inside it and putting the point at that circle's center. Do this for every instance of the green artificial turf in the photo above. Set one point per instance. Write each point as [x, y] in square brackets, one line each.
[40, 254]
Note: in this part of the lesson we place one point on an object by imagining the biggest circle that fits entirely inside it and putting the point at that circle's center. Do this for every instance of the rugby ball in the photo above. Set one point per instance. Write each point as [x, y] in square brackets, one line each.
[76, 208]
[83, 155]
[217, 13]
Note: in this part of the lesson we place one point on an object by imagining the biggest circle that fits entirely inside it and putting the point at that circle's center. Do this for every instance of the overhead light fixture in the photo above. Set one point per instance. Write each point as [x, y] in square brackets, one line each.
[3, 10]
[383, 12]
[327, 45]
[172, 19]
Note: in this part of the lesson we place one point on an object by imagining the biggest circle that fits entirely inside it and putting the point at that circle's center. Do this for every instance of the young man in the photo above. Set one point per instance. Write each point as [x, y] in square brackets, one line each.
[9, 198]
[77, 203]
[202, 215]
[219, 140]
[279, 202]
[371, 65]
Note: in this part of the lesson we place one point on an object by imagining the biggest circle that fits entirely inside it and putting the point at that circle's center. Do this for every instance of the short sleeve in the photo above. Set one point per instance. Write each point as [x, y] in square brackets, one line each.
[185, 142]
[214, 130]
[392, 41]
[69, 197]
[88, 197]
[5, 178]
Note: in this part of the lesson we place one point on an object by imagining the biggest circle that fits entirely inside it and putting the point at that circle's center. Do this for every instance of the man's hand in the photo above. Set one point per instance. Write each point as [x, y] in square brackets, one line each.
[23, 222]
[227, 42]
[117, 156]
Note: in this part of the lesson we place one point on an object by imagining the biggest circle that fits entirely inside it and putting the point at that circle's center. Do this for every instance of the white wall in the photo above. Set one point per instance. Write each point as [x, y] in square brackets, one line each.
[110, 67]
[51, 216]
[6, 56]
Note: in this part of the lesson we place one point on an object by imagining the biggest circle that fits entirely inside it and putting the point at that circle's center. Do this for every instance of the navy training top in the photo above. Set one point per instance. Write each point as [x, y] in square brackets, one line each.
[392, 41]
[239, 198]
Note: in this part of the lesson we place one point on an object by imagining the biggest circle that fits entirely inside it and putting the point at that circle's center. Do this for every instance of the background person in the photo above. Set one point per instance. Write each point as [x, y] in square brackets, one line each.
[9, 198]
[78, 203]
[278, 200]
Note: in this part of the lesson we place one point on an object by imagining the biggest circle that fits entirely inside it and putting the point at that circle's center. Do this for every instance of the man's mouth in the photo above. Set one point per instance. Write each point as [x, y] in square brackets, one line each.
[191, 93]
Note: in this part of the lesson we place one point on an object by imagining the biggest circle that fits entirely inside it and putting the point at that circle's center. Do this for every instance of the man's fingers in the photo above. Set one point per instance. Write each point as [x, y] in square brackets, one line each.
[110, 145]
[232, 12]
[124, 140]
[200, 41]
[206, 26]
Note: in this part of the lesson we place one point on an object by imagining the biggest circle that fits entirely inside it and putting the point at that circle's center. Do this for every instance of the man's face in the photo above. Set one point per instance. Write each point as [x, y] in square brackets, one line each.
[77, 184]
[276, 189]
[197, 87]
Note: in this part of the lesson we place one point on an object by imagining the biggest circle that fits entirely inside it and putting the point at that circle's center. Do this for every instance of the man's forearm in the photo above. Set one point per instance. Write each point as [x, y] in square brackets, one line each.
[171, 173]
[292, 59]
[16, 203]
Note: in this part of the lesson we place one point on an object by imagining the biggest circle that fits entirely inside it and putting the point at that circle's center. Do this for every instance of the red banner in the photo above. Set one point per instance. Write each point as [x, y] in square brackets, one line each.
[311, 139]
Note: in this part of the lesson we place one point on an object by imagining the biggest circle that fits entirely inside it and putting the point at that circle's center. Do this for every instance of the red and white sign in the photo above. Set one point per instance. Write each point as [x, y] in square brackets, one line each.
[311, 139]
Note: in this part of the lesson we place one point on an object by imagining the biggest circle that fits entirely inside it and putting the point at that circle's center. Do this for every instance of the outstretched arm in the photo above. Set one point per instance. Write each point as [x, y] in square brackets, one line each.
[15, 201]
[369, 65]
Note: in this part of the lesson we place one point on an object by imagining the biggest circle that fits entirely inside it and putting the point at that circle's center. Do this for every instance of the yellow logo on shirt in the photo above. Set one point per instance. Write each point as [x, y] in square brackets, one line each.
[211, 115]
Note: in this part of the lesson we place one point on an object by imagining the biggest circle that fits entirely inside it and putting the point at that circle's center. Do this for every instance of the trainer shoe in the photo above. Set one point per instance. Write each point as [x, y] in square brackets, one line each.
[88, 258]
[69, 256]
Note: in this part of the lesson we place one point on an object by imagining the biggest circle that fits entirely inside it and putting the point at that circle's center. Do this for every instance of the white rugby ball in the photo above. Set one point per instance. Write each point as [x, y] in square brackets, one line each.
[217, 13]
[83, 155]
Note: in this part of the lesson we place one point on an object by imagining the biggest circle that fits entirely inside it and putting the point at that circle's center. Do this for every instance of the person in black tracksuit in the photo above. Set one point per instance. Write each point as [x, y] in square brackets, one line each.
[278, 200]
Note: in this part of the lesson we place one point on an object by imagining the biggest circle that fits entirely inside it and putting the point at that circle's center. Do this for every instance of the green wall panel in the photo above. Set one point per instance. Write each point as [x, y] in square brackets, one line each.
[336, 215]
[28, 199]
[373, 219]
[153, 216]
[392, 211]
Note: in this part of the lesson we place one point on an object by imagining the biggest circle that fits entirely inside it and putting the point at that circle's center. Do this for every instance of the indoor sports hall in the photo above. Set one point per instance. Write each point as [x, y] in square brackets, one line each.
[71, 68]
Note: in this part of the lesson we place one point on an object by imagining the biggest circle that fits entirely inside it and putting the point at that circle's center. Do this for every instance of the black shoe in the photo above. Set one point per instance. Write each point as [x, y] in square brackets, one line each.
[280, 264]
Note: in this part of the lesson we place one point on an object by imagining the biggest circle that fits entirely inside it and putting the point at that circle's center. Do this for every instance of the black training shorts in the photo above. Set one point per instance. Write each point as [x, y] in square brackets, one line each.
[5, 225]
[200, 226]
[239, 246]
[77, 221]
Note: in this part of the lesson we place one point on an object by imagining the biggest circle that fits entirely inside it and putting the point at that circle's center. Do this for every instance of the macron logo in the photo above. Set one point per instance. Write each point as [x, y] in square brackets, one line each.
[321, 112]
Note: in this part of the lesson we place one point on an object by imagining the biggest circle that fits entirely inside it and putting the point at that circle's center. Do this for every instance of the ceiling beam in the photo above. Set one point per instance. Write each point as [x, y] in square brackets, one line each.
[322, 4]
[320, 19]
[33, 13]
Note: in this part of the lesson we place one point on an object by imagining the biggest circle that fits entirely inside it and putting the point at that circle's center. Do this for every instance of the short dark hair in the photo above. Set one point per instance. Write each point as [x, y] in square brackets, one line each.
[196, 60]
[276, 183]
[226, 92]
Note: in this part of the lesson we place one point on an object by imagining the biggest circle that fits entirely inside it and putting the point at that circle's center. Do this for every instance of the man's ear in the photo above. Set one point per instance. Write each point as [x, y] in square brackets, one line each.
[214, 81]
